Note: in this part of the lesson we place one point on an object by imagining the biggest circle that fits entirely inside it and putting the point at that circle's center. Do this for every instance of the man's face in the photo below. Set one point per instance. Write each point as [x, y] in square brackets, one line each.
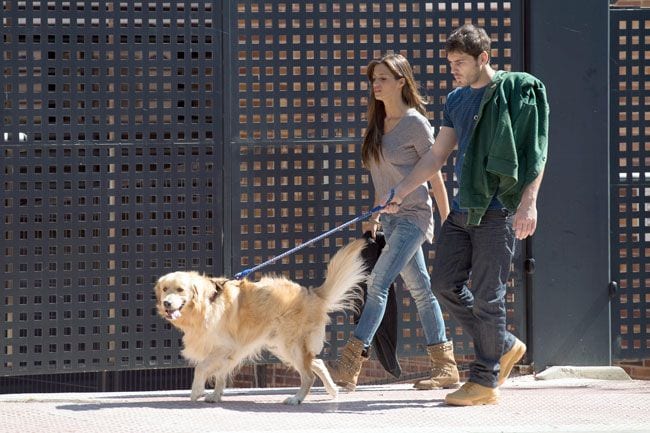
[465, 68]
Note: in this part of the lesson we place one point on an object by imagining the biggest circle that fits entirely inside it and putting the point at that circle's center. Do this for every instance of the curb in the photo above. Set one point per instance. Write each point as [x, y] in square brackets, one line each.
[572, 372]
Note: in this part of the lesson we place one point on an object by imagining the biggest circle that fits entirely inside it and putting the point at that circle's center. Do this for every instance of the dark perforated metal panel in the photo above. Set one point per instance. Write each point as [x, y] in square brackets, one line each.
[144, 137]
[300, 103]
[111, 72]
[112, 175]
[630, 174]
[87, 230]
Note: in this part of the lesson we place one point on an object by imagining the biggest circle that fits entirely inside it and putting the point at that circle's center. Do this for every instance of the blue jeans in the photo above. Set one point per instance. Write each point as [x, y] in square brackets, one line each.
[485, 252]
[403, 256]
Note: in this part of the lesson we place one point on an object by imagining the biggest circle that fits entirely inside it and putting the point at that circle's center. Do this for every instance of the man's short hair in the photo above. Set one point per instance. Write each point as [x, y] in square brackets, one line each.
[468, 39]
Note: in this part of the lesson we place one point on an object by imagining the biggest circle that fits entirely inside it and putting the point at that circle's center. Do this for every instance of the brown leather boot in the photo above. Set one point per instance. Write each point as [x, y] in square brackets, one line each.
[444, 371]
[346, 368]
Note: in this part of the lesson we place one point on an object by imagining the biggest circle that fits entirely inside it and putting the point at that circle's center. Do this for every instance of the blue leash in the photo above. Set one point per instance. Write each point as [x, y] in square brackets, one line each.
[362, 217]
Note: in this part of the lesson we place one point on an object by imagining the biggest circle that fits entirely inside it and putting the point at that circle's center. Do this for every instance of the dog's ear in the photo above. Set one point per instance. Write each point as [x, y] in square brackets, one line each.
[199, 287]
[196, 291]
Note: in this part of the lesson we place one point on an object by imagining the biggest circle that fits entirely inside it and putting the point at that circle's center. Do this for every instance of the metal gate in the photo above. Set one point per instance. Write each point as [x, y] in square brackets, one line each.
[630, 177]
[300, 105]
[144, 137]
[112, 160]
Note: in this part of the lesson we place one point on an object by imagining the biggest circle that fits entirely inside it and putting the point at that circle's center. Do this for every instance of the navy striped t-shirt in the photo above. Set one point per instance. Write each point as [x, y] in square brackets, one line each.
[461, 113]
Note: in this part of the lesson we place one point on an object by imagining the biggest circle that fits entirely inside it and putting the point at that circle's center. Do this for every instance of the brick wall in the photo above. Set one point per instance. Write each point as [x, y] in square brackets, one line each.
[636, 369]
[632, 4]
[278, 375]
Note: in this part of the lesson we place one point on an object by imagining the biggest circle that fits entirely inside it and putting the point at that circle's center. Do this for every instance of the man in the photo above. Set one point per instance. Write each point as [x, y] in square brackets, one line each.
[499, 122]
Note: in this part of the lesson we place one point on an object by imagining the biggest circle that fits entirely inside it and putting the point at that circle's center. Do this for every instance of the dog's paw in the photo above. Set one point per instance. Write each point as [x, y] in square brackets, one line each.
[333, 392]
[292, 401]
[213, 398]
[332, 389]
[195, 395]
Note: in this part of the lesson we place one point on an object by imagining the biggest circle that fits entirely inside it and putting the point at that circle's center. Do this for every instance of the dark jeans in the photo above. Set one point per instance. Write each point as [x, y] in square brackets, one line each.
[484, 253]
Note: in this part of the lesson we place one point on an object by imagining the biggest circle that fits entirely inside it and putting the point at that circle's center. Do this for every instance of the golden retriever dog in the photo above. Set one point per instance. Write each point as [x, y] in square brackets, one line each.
[225, 322]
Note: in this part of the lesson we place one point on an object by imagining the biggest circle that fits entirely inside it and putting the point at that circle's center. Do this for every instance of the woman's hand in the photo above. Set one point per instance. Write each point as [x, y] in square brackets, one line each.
[391, 202]
[370, 225]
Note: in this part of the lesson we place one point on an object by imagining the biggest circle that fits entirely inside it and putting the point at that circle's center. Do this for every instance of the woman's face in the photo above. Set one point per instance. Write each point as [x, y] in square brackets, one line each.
[384, 85]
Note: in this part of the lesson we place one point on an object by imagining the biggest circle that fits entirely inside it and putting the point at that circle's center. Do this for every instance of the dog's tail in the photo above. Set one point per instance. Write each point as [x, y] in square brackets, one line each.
[345, 271]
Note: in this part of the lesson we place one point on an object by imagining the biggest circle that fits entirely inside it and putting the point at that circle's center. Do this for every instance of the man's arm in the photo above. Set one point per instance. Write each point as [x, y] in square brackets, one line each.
[428, 165]
[525, 220]
[439, 192]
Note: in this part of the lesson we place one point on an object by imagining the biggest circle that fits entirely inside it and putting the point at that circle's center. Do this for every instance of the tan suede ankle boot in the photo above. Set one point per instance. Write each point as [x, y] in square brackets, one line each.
[346, 368]
[444, 371]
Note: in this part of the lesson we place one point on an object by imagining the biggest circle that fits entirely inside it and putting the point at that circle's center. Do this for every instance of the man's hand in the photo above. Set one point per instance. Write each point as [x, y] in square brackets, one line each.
[525, 221]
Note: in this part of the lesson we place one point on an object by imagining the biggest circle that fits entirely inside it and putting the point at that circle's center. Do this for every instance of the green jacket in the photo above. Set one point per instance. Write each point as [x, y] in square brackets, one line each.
[508, 146]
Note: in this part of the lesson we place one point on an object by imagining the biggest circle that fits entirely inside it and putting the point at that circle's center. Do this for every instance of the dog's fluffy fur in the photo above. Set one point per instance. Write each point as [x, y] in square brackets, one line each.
[224, 321]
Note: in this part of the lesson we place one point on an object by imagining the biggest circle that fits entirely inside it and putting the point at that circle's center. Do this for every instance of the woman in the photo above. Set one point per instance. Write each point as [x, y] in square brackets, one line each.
[397, 136]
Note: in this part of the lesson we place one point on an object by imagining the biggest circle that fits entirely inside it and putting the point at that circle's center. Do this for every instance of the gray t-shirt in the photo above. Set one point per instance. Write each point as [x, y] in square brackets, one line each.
[402, 148]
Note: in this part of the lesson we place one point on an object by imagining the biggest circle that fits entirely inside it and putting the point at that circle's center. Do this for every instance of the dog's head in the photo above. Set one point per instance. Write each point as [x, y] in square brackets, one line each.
[184, 293]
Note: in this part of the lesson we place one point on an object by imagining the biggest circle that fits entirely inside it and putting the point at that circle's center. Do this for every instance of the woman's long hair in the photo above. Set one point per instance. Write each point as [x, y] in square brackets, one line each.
[400, 68]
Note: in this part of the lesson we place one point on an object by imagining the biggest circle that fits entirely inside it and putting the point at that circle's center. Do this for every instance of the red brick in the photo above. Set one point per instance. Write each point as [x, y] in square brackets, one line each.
[640, 373]
[632, 3]
[636, 369]
[627, 368]
[627, 3]
[279, 375]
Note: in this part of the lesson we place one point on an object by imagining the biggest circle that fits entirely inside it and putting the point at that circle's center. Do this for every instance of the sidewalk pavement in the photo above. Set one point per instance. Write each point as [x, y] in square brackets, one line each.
[527, 405]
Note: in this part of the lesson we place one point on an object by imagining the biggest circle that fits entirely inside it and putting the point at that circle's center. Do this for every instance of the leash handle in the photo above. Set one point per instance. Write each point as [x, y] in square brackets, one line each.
[245, 272]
